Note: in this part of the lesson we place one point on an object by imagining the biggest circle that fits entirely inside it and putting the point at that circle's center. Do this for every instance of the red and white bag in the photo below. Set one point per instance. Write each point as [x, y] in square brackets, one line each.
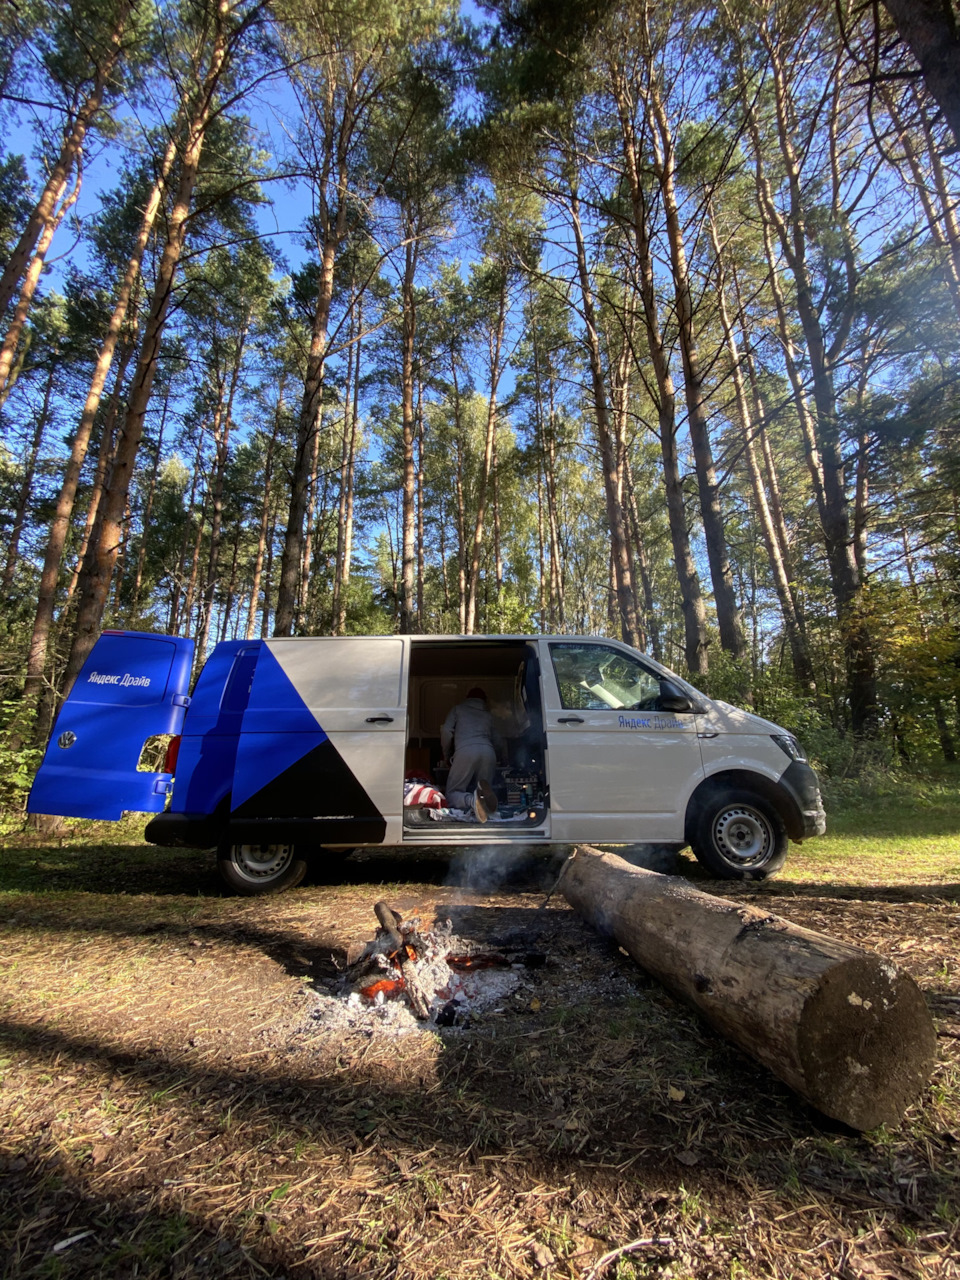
[417, 790]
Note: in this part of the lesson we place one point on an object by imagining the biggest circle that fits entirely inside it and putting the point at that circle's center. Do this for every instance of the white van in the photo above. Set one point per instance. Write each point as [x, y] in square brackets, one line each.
[286, 747]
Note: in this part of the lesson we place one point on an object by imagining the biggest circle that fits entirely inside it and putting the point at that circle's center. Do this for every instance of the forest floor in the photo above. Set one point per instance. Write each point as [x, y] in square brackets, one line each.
[172, 1107]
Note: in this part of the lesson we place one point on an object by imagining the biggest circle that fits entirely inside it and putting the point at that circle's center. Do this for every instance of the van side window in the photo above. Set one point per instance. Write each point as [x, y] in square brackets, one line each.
[592, 677]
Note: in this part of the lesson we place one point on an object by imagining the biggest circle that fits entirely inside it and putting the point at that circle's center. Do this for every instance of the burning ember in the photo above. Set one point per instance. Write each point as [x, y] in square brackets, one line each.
[429, 973]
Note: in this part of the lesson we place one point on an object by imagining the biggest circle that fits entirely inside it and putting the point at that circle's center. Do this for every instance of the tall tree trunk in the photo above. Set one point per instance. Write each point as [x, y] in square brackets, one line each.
[186, 617]
[802, 664]
[691, 599]
[495, 361]
[341, 570]
[220, 430]
[93, 599]
[196, 476]
[231, 584]
[621, 366]
[347, 558]
[43, 212]
[308, 423]
[546, 448]
[26, 485]
[945, 189]
[729, 622]
[336, 116]
[942, 222]
[101, 473]
[421, 519]
[543, 610]
[929, 29]
[121, 564]
[835, 517]
[63, 513]
[306, 564]
[308, 426]
[626, 596]
[832, 498]
[262, 536]
[409, 433]
[148, 509]
[461, 530]
[268, 583]
[771, 478]
[11, 341]
[642, 562]
[498, 569]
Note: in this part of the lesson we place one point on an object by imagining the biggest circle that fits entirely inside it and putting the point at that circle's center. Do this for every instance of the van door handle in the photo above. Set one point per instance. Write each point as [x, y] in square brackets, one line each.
[569, 719]
[379, 719]
[713, 734]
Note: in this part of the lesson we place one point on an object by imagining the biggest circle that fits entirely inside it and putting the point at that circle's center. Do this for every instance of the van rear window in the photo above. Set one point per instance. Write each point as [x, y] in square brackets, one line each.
[126, 671]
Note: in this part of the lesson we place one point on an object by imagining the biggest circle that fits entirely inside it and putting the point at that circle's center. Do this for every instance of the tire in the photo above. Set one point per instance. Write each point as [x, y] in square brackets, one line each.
[740, 836]
[251, 869]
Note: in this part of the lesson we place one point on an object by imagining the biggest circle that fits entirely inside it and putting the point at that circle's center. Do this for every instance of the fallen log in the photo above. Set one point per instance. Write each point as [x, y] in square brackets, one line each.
[841, 1026]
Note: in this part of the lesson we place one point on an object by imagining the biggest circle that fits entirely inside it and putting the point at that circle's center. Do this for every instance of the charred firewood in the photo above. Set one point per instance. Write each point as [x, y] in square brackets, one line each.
[484, 960]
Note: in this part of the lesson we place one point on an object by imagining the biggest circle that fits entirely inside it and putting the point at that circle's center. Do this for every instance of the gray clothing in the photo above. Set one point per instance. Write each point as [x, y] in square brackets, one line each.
[476, 762]
[468, 729]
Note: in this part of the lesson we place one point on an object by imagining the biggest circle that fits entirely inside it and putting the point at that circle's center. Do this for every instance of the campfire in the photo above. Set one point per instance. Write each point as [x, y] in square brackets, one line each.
[428, 972]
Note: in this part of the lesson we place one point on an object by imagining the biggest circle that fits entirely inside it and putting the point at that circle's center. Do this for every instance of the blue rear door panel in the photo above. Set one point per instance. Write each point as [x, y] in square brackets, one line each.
[132, 687]
[211, 731]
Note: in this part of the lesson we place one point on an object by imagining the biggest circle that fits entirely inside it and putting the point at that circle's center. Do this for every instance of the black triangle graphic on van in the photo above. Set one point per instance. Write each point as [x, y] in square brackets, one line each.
[318, 785]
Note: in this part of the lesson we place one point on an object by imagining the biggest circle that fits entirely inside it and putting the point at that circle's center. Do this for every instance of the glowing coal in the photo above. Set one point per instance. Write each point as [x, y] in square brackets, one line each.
[408, 977]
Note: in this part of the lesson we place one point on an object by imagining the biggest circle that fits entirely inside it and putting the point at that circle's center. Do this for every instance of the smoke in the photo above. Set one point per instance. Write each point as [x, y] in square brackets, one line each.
[651, 857]
[487, 868]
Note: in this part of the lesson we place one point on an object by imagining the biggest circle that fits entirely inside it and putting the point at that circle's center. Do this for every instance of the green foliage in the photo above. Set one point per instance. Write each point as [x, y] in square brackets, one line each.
[16, 200]
[77, 41]
[19, 758]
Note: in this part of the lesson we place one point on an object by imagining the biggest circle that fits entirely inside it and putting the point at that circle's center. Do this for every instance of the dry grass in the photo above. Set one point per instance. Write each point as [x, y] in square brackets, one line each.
[167, 1106]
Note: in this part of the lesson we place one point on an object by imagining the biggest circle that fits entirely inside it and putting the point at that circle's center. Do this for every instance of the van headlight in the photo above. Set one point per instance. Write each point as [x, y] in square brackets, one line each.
[790, 746]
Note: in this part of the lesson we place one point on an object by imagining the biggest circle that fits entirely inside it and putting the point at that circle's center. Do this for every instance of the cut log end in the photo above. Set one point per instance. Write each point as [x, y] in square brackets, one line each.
[842, 1026]
[866, 1042]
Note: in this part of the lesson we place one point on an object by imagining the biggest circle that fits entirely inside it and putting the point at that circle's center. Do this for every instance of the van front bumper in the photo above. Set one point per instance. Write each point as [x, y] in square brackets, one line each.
[802, 785]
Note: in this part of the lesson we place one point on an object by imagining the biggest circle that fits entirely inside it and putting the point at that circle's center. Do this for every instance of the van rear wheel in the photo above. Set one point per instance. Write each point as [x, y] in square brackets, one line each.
[260, 868]
[740, 836]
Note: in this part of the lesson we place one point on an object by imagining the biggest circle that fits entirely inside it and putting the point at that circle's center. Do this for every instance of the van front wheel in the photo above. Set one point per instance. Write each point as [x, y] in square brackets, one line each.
[740, 836]
[260, 868]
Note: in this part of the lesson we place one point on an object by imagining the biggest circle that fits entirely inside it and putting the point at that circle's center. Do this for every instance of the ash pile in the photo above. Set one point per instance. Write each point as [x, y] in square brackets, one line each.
[408, 978]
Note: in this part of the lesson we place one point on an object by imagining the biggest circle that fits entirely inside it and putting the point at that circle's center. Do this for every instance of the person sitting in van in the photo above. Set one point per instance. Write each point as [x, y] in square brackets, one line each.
[468, 731]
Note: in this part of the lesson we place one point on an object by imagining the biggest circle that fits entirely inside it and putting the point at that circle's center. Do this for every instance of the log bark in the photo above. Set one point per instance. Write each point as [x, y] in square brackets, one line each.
[841, 1026]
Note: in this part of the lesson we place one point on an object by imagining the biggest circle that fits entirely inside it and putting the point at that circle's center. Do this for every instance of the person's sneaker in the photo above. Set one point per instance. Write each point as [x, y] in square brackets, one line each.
[489, 797]
[479, 808]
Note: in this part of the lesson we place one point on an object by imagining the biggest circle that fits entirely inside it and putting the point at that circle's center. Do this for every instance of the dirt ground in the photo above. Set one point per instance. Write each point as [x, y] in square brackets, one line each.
[171, 1108]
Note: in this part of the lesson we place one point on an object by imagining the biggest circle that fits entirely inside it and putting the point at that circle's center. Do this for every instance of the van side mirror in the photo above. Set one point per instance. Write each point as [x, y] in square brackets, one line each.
[674, 702]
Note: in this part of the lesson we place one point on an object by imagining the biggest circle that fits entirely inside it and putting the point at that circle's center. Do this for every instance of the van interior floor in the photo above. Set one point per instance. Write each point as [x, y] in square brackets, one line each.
[506, 820]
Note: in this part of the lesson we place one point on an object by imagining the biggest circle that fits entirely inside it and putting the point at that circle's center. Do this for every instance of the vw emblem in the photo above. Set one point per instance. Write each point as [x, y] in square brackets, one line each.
[66, 739]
